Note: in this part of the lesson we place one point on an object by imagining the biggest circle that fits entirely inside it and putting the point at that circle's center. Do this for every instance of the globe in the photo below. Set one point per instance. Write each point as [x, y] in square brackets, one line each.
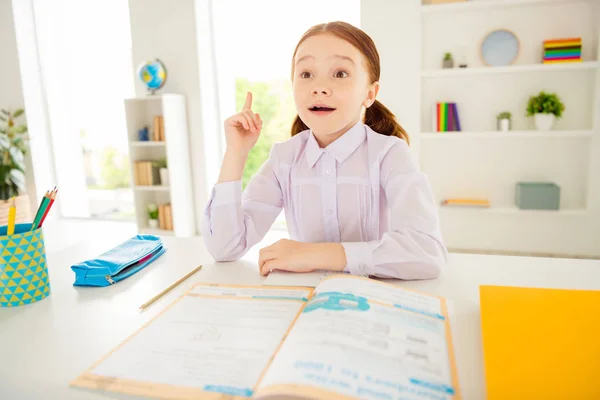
[153, 74]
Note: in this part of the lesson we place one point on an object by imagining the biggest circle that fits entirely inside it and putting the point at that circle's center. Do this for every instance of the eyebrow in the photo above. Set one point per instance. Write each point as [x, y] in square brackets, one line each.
[335, 56]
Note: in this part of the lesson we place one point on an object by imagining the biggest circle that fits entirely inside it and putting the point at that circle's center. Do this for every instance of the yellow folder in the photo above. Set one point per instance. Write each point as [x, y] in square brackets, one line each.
[540, 343]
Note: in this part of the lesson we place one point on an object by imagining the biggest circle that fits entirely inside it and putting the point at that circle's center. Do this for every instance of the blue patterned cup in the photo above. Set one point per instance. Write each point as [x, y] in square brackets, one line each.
[23, 270]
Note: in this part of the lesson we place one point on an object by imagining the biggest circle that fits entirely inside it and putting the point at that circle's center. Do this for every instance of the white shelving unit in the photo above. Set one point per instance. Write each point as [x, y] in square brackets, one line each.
[480, 162]
[513, 69]
[147, 144]
[488, 5]
[505, 135]
[140, 112]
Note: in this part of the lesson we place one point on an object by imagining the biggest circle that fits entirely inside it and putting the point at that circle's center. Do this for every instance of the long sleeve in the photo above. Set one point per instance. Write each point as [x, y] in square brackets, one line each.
[235, 221]
[413, 247]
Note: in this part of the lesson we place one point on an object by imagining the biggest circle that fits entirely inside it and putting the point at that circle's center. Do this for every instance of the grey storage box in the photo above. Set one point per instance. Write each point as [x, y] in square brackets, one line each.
[537, 196]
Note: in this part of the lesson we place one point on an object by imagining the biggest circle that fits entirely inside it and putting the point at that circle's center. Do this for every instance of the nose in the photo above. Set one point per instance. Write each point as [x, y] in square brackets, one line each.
[321, 90]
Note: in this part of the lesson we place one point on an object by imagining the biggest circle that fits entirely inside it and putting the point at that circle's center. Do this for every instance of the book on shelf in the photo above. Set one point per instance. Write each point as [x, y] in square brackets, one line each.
[445, 117]
[158, 133]
[349, 337]
[165, 217]
[562, 50]
[465, 202]
[145, 173]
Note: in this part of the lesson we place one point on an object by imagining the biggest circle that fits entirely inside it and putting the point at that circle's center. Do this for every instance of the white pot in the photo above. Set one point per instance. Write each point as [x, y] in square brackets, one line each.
[504, 125]
[164, 176]
[543, 122]
[153, 223]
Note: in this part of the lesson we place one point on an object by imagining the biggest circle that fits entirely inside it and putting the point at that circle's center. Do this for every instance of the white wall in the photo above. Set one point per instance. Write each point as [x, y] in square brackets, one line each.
[161, 30]
[11, 92]
[397, 34]
[408, 40]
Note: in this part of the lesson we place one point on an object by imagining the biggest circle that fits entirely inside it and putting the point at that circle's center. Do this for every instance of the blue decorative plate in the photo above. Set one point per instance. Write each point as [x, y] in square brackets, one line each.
[500, 47]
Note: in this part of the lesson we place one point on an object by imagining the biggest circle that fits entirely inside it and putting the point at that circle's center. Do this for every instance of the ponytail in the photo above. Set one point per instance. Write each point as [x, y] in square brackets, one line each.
[298, 126]
[379, 118]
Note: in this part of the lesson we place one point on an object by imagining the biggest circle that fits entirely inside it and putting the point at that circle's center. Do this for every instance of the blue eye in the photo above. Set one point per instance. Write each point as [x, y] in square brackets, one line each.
[341, 74]
[305, 75]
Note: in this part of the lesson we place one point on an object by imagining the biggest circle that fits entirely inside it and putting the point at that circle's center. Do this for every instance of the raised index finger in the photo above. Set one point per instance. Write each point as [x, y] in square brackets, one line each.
[248, 103]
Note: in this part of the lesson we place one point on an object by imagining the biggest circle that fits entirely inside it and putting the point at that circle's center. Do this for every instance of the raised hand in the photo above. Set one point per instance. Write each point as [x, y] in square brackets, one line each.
[243, 129]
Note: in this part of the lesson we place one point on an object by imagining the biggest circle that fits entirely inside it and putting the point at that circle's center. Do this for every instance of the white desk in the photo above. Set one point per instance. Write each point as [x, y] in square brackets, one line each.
[43, 346]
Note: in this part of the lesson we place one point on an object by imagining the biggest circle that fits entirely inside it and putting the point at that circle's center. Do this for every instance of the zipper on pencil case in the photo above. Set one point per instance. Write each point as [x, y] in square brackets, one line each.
[134, 267]
[134, 261]
[125, 267]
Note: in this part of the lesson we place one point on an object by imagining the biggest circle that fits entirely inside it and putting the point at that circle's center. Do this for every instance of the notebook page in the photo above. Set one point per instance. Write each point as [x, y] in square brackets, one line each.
[215, 339]
[345, 344]
[383, 292]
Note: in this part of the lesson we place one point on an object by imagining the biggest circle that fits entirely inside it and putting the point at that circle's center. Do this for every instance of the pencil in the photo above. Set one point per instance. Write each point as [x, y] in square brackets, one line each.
[12, 213]
[40, 211]
[52, 198]
[152, 300]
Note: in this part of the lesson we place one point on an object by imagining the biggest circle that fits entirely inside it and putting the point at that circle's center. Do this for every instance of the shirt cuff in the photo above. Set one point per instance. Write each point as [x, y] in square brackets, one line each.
[359, 257]
[226, 193]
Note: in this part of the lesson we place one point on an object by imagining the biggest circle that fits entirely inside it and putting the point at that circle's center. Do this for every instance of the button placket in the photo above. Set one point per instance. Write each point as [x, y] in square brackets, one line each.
[329, 188]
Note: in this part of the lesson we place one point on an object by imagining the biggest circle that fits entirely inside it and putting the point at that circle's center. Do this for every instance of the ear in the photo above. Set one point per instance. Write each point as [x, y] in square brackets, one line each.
[371, 94]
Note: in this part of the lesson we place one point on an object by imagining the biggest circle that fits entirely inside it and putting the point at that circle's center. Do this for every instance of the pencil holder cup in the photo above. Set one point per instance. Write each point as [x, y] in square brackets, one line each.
[23, 270]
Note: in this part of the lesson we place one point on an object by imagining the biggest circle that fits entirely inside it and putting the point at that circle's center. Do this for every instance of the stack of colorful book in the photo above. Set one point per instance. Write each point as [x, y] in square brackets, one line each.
[562, 50]
[445, 117]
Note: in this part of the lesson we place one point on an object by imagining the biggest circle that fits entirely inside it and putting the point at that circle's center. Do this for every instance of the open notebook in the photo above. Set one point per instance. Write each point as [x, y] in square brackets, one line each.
[350, 337]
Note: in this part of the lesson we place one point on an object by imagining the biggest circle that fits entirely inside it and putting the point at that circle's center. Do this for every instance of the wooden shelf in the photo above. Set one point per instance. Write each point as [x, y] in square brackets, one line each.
[147, 144]
[465, 72]
[506, 135]
[154, 188]
[514, 211]
[484, 5]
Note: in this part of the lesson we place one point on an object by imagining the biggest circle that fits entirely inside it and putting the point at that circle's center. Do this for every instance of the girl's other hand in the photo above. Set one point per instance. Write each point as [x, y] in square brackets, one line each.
[294, 256]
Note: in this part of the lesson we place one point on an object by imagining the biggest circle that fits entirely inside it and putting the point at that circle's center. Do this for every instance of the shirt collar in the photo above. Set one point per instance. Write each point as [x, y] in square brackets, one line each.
[340, 149]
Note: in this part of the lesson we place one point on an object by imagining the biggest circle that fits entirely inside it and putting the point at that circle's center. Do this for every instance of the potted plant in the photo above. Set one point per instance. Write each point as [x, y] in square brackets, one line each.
[545, 108]
[152, 216]
[448, 61]
[13, 147]
[503, 121]
[161, 164]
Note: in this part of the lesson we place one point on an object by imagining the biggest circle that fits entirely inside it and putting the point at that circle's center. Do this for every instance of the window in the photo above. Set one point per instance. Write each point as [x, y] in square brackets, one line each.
[85, 58]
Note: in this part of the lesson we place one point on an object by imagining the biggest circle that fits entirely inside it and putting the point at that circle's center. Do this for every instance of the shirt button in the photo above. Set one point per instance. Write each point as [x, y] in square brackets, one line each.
[329, 212]
[328, 171]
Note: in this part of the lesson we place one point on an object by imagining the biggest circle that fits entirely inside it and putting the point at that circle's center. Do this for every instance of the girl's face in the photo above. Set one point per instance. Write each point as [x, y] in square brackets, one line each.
[331, 86]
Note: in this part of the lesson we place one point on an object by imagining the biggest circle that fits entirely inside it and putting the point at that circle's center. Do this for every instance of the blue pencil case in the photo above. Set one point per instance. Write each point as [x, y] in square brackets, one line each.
[120, 262]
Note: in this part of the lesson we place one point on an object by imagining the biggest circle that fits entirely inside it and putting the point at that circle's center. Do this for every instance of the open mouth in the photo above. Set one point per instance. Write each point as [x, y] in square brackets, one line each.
[321, 109]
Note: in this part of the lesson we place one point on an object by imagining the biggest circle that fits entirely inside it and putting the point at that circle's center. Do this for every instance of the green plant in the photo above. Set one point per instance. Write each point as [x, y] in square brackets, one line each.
[152, 211]
[504, 115]
[447, 56]
[13, 147]
[160, 163]
[545, 103]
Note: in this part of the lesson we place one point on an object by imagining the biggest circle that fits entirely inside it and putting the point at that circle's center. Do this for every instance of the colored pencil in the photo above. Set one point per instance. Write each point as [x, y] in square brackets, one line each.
[12, 213]
[52, 198]
[40, 211]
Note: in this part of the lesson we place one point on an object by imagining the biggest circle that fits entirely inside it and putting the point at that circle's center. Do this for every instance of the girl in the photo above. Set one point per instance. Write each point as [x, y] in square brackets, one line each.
[354, 200]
